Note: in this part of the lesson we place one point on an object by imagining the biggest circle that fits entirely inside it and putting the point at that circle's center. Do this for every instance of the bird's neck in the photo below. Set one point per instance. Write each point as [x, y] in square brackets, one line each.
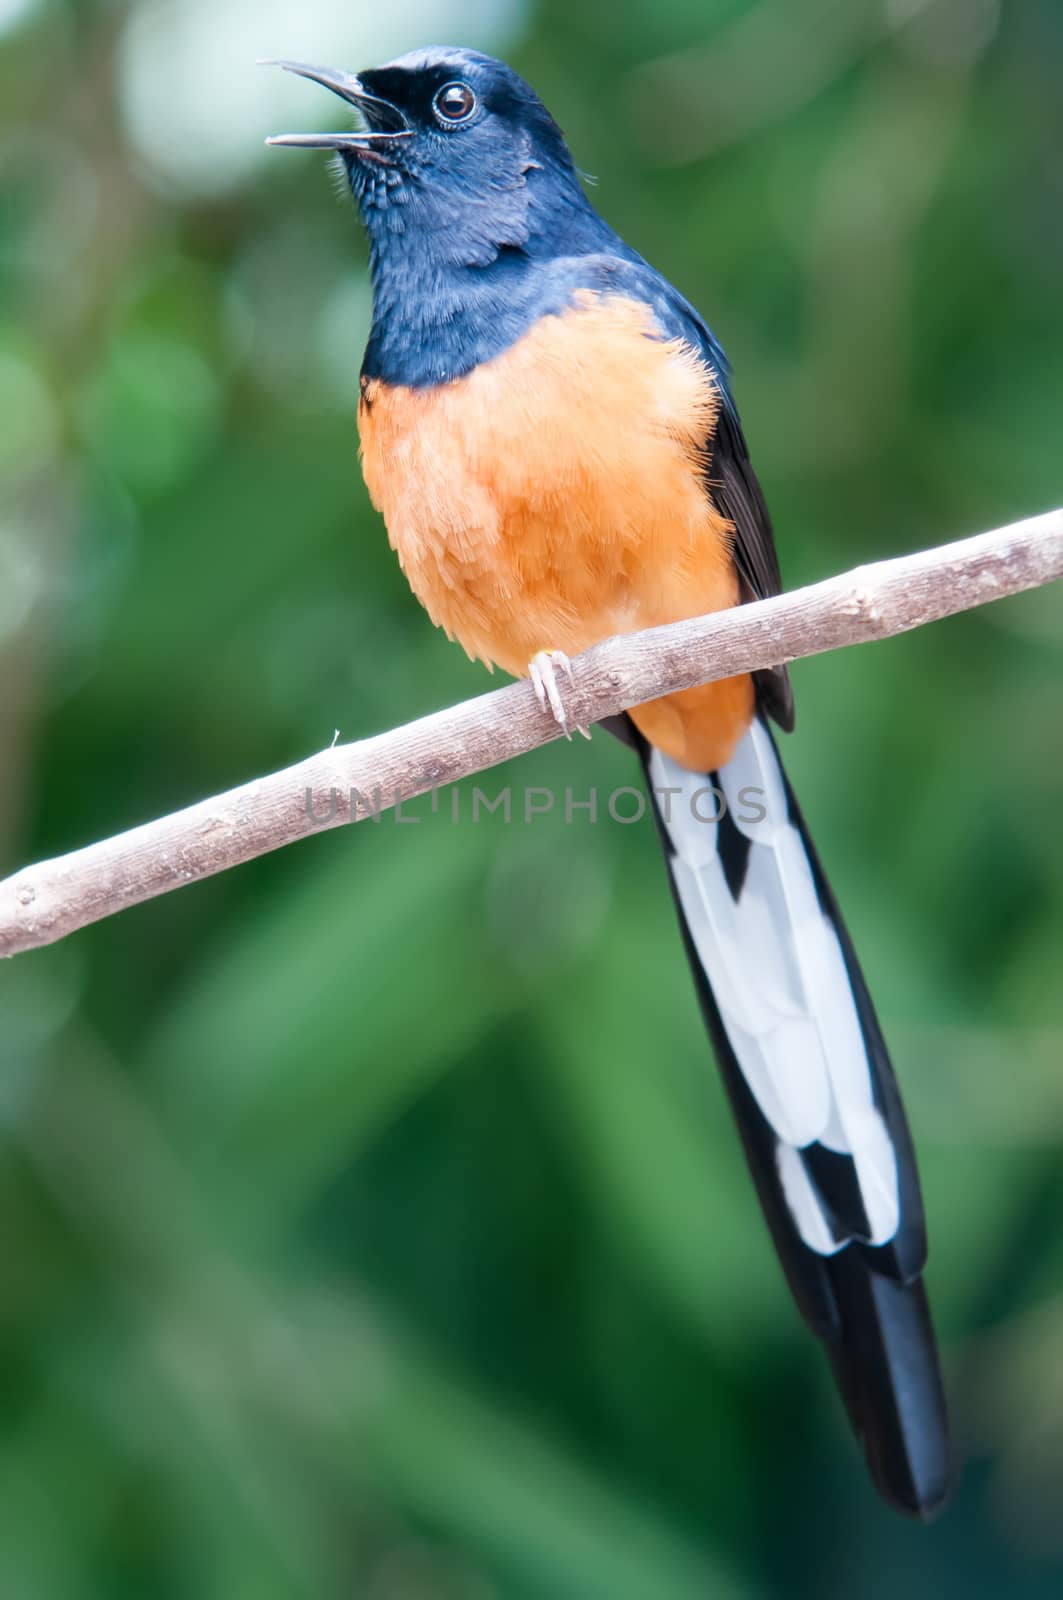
[435, 319]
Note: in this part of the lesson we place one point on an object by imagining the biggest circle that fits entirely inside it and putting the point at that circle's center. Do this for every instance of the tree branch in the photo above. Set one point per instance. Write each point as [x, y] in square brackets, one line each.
[43, 903]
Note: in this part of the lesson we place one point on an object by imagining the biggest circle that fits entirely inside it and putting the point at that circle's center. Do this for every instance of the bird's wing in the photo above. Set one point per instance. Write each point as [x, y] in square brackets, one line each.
[737, 494]
[730, 479]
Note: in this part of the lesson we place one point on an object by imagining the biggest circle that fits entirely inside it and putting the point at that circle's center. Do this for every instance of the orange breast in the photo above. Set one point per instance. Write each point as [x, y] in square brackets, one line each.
[556, 495]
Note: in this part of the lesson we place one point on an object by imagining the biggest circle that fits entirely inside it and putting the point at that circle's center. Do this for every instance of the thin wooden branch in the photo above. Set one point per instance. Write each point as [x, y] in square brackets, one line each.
[46, 902]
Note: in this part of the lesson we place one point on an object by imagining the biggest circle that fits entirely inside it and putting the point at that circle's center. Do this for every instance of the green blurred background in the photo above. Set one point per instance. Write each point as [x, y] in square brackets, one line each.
[372, 1221]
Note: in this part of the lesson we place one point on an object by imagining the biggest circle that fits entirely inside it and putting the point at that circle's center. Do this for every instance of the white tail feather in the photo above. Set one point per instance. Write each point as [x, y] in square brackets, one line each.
[776, 968]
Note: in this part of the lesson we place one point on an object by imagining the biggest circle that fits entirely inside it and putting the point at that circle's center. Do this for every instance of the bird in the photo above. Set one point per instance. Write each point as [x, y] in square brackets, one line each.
[549, 430]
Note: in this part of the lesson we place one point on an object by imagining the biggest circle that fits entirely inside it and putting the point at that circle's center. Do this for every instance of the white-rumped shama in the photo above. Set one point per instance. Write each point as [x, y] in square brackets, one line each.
[548, 429]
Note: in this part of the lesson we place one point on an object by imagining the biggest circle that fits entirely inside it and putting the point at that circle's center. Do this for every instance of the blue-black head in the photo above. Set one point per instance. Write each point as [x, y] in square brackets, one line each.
[466, 187]
[455, 145]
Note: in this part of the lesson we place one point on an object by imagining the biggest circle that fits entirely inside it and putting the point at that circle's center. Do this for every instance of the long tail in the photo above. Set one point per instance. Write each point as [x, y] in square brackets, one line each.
[814, 1096]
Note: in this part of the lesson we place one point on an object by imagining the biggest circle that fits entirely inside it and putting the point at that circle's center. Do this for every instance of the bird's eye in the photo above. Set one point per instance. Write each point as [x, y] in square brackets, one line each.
[455, 102]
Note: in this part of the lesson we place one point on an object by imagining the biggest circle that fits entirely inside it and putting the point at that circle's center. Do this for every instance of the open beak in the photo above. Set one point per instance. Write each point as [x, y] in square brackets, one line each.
[387, 122]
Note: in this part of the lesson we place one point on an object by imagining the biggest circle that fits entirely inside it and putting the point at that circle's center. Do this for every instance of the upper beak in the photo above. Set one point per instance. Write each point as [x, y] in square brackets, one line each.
[391, 124]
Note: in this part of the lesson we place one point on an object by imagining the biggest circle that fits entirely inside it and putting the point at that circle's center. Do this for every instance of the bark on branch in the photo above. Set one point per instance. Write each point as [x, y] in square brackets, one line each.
[45, 902]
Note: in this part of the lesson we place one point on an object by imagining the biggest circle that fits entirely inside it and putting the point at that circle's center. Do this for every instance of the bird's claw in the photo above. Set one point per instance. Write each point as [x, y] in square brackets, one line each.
[542, 670]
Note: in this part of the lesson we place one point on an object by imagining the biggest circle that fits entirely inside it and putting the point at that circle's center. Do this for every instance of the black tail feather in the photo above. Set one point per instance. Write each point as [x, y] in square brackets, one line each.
[885, 1364]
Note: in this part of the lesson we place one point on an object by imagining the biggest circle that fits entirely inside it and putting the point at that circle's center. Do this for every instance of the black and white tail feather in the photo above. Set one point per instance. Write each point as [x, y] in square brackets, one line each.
[815, 1099]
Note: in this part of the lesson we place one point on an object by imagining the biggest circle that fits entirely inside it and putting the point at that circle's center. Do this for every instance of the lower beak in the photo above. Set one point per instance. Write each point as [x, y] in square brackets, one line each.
[390, 122]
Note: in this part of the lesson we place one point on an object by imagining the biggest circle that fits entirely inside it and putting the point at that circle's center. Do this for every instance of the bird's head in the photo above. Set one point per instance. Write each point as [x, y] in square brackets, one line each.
[454, 146]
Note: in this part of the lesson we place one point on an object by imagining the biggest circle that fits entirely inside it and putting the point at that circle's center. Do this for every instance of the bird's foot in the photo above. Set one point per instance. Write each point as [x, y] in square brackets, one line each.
[542, 670]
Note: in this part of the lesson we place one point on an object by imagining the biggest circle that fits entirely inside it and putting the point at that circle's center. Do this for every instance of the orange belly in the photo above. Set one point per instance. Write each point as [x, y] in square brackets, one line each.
[556, 495]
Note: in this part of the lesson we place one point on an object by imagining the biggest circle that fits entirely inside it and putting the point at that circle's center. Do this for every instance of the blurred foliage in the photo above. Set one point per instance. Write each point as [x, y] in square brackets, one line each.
[372, 1220]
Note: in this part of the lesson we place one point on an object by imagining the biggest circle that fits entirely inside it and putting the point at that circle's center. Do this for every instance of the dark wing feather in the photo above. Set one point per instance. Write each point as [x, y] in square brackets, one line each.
[737, 494]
